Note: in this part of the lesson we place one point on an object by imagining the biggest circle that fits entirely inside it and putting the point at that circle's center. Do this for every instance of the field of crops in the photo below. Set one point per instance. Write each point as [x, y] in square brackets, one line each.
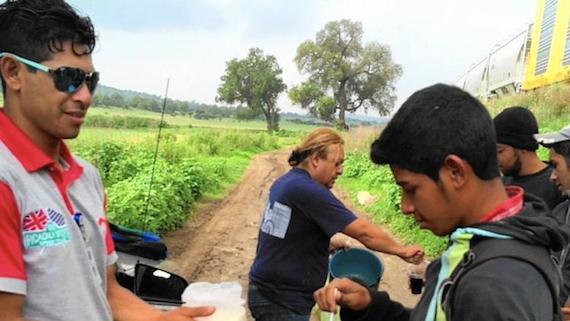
[186, 121]
[190, 163]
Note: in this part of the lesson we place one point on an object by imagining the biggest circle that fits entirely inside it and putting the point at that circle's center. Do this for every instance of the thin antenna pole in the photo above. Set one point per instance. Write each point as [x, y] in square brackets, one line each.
[160, 125]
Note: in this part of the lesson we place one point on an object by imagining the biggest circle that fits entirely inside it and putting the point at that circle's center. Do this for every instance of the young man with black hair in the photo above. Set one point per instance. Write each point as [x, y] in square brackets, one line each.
[56, 252]
[441, 148]
[518, 160]
[559, 145]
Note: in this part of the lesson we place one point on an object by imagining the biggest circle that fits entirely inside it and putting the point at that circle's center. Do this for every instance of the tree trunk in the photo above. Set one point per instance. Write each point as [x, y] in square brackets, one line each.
[273, 122]
[272, 118]
[342, 104]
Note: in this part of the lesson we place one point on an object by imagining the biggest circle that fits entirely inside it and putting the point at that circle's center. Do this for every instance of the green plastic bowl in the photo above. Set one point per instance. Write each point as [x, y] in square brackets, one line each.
[360, 265]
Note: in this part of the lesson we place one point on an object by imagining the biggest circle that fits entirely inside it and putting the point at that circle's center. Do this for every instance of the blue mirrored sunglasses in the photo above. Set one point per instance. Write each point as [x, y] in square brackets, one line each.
[66, 79]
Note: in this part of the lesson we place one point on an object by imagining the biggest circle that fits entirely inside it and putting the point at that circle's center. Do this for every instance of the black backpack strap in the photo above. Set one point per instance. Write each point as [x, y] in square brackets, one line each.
[485, 249]
[566, 249]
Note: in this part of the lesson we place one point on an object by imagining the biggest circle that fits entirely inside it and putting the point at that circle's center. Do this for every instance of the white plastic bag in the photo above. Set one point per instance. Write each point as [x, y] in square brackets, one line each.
[225, 296]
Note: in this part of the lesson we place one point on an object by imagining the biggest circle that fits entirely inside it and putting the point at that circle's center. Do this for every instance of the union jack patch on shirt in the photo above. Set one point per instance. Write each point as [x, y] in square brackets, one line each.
[43, 228]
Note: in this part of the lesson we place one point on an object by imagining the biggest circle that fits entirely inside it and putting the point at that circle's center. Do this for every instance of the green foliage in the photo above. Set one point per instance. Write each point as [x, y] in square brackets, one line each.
[169, 200]
[550, 105]
[256, 82]
[103, 121]
[187, 167]
[310, 96]
[326, 107]
[102, 154]
[244, 113]
[357, 75]
[361, 174]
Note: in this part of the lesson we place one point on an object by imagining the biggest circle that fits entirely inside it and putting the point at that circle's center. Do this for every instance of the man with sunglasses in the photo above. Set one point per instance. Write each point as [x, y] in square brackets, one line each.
[57, 256]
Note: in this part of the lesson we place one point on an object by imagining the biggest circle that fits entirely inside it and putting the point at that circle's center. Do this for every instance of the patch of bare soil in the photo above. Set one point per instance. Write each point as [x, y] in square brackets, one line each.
[219, 243]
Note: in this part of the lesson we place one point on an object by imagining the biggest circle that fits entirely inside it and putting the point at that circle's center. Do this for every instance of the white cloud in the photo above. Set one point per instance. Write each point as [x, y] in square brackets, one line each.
[434, 41]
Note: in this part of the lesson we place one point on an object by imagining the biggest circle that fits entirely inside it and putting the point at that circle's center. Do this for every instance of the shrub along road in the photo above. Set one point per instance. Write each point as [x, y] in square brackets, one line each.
[219, 243]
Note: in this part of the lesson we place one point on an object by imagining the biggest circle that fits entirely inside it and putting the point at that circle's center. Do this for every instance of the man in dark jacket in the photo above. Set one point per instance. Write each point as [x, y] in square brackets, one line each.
[441, 148]
[518, 160]
[559, 144]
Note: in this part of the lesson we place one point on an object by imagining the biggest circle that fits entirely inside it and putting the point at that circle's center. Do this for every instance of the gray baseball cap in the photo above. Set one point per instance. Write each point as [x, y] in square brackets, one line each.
[553, 138]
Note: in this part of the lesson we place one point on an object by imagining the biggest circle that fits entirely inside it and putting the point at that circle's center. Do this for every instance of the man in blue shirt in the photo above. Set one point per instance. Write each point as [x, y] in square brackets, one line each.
[300, 218]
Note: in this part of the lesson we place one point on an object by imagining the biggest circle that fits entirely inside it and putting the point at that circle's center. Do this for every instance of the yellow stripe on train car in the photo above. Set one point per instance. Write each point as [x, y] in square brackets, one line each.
[553, 65]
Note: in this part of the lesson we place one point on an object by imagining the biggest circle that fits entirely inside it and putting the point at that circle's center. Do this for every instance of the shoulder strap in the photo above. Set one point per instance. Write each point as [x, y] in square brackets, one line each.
[485, 249]
[565, 250]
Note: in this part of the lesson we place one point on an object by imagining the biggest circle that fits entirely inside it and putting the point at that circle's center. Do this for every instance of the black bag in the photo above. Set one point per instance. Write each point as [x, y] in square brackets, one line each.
[138, 243]
[485, 249]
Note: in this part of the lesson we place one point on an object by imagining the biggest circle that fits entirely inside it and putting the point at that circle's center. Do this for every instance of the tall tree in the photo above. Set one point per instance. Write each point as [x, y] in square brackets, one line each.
[343, 70]
[256, 82]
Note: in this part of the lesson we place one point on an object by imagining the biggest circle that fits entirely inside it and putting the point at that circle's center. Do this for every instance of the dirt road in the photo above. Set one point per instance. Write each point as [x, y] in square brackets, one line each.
[219, 244]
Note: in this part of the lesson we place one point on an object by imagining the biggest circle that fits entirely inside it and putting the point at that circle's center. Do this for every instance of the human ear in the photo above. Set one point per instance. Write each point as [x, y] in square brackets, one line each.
[455, 168]
[314, 159]
[11, 73]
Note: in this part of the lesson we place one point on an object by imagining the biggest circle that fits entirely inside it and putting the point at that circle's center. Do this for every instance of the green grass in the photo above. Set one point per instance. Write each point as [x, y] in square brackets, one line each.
[186, 121]
[551, 105]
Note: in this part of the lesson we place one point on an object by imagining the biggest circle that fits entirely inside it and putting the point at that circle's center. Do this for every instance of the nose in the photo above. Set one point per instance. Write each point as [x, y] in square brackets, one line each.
[553, 176]
[83, 95]
[407, 205]
[339, 169]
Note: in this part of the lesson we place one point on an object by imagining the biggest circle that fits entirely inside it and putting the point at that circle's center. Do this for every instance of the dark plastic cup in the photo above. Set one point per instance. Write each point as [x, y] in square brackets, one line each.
[417, 273]
[416, 285]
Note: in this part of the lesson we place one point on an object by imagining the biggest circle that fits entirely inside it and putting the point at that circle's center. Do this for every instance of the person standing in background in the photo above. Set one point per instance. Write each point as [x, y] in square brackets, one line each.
[518, 160]
[559, 145]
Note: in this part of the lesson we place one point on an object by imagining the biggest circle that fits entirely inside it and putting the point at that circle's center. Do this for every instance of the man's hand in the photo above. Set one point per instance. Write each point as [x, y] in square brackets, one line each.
[185, 314]
[127, 307]
[348, 294]
[566, 310]
[412, 254]
[339, 241]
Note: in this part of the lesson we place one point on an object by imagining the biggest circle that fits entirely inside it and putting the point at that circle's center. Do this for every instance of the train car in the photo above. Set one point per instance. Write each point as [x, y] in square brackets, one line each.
[549, 57]
[536, 56]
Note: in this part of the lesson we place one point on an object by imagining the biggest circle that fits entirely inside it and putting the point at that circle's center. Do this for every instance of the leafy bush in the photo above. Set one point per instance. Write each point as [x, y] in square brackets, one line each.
[187, 167]
[360, 173]
[102, 154]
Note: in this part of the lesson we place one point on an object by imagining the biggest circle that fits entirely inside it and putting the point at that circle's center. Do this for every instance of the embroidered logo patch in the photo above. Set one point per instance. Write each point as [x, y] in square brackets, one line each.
[276, 220]
[44, 227]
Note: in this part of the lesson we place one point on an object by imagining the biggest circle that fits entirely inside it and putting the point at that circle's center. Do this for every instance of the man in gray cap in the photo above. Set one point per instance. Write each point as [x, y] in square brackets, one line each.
[559, 144]
[518, 161]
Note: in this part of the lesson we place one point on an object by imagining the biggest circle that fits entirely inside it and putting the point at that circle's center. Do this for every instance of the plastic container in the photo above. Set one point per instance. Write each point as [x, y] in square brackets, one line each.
[225, 296]
[360, 265]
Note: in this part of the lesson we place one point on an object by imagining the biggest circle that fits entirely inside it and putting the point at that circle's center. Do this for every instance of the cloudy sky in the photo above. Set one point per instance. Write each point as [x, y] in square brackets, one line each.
[142, 43]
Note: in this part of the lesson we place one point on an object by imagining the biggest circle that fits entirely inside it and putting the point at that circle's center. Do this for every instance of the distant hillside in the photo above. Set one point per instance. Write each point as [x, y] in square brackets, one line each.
[109, 96]
[355, 118]
[126, 93]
